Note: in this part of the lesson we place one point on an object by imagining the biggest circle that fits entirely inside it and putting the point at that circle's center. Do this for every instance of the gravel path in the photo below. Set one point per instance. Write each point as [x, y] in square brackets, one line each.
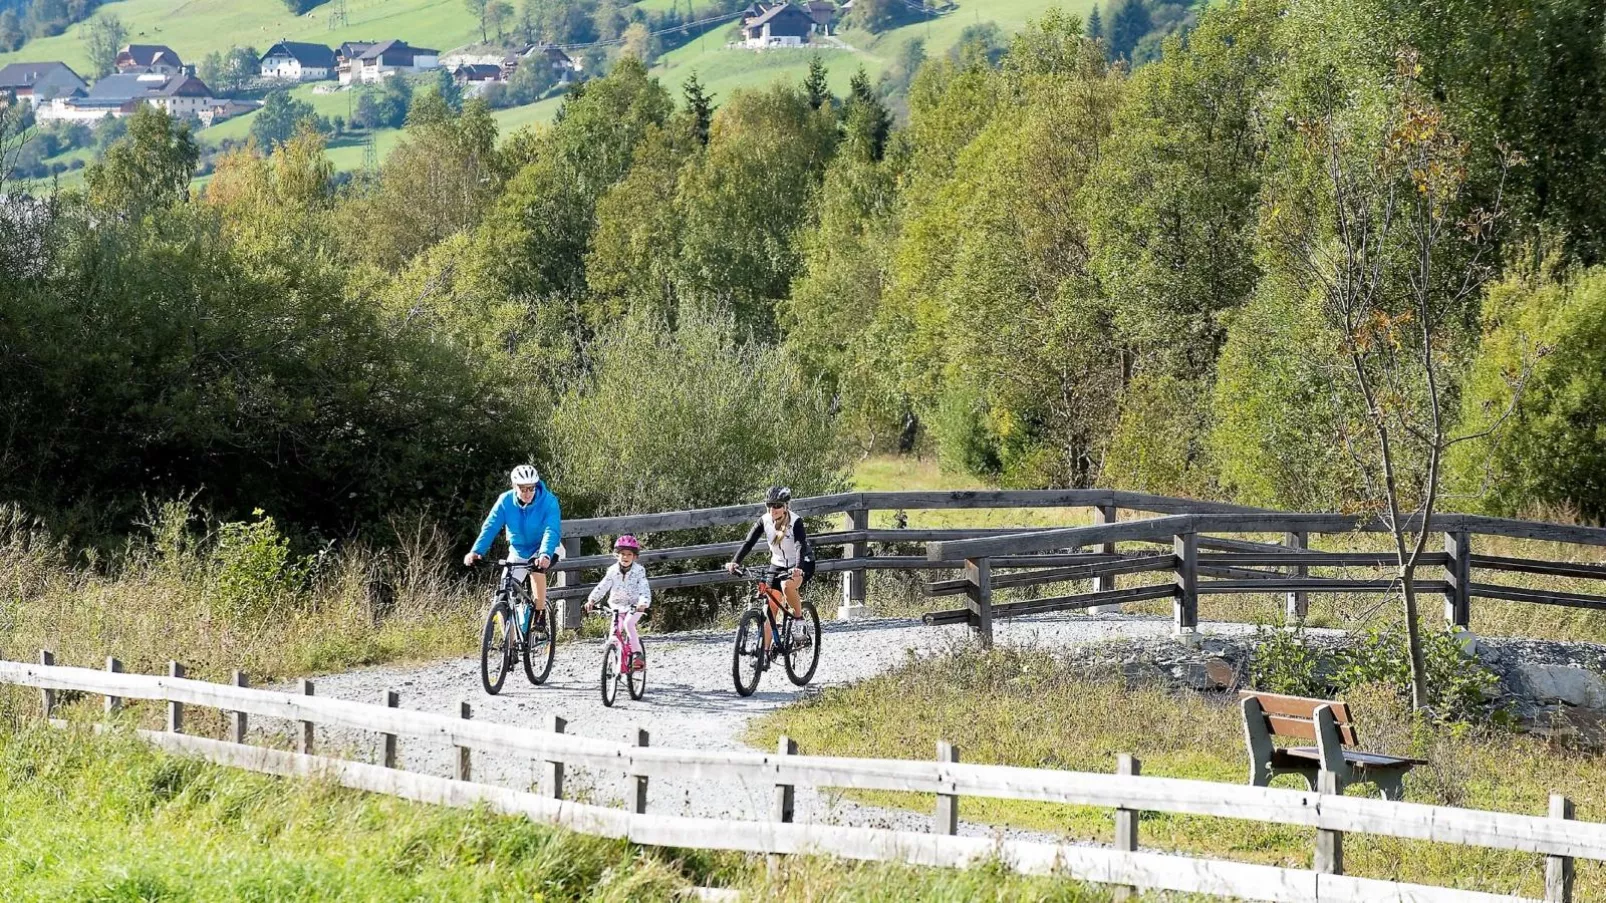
[690, 703]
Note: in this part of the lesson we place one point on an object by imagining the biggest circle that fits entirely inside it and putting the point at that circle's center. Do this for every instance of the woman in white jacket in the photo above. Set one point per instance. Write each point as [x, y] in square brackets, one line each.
[627, 590]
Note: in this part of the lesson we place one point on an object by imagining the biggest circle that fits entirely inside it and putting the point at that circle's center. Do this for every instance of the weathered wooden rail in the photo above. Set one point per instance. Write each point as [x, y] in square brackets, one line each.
[1557, 837]
[1208, 548]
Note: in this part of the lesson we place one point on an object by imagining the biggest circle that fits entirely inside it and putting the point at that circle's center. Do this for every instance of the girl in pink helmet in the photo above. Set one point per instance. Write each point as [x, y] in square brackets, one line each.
[627, 590]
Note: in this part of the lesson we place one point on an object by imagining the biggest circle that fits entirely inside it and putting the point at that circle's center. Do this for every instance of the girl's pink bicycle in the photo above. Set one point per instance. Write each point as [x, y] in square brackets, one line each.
[616, 662]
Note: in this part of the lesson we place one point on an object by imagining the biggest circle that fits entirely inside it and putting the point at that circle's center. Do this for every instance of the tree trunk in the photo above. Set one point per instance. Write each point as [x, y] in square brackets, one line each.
[1413, 634]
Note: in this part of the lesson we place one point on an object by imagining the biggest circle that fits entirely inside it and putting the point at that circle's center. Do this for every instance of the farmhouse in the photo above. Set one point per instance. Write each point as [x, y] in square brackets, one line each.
[298, 61]
[779, 26]
[149, 57]
[824, 14]
[564, 67]
[475, 76]
[376, 62]
[36, 83]
[121, 94]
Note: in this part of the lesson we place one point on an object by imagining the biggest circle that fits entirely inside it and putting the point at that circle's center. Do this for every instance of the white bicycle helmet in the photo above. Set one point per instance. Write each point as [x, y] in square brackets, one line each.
[524, 475]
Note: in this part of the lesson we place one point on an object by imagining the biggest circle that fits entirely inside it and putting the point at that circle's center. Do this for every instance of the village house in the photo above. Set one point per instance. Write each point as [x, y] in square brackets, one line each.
[372, 63]
[181, 95]
[474, 77]
[778, 26]
[564, 67]
[149, 58]
[36, 83]
[298, 61]
[824, 14]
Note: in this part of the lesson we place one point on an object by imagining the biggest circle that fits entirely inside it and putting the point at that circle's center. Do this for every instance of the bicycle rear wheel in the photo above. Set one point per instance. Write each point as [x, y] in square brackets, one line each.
[803, 650]
[610, 674]
[747, 657]
[496, 657]
[638, 679]
[540, 647]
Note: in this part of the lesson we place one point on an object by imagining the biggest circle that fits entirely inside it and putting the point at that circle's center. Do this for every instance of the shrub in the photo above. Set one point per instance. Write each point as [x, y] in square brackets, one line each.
[1284, 663]
[253, 570]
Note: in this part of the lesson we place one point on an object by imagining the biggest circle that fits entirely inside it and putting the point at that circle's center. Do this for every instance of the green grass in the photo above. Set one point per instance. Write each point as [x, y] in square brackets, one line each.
[106, 819]
[1025, 708]
[195, 28]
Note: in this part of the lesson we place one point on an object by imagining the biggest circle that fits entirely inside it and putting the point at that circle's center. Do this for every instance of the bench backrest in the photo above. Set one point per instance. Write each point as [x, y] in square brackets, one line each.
[1294, 716]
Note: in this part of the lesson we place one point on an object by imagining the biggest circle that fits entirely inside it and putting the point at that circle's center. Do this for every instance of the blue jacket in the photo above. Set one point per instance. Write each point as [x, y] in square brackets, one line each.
[533, 530]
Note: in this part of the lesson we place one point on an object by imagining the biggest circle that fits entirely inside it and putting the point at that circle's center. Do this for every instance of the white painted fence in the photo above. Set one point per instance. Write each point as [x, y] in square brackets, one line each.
[1558, 838]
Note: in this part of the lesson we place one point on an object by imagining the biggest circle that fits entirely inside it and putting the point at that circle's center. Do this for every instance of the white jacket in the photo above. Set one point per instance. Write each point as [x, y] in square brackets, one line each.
[624, 591]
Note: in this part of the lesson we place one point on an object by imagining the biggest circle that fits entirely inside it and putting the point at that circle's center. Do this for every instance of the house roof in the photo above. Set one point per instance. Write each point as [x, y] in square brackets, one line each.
[26, 75]
[478, 71]
[150, 54]
[777, 12]
[129, 85]
[379, 51]
[313, 56]
[354, 49]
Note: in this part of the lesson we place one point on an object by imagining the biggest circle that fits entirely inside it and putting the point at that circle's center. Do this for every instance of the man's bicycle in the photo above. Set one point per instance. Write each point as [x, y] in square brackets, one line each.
[515, 630]
[796, 641]
[617, 664]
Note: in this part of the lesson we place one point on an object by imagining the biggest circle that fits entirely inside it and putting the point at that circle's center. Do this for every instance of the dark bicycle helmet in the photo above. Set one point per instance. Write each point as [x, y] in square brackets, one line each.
[777, 496]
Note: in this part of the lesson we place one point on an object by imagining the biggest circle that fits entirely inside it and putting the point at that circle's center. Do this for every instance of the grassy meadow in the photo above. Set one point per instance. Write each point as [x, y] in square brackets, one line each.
[107, 819]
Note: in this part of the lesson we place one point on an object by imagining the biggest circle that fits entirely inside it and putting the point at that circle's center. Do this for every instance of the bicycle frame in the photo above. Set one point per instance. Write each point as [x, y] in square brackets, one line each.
[622, 640]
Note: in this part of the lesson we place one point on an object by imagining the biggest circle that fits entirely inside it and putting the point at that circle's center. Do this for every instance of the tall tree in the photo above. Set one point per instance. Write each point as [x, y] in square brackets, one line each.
[480, 10]
[699, 106]
[815, 87]
[103, 37]
[147, 169]
[498, 13]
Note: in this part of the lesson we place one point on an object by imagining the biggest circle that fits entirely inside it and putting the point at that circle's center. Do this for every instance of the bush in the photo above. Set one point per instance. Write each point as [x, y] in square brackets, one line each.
[253, 571]
[1459, 686]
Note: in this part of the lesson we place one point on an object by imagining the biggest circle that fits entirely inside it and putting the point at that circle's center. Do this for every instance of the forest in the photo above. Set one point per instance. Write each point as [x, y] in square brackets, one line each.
[1223, 273]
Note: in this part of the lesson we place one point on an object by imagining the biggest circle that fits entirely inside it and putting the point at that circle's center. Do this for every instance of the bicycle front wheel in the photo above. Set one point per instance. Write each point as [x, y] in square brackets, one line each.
[748, 656]
[803, 648]
[495, 657]
[610, 674]
[540, 648]
[638, 679]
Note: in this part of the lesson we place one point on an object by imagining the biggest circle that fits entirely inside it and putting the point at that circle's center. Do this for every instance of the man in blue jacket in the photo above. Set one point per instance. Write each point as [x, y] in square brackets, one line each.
[529, 514]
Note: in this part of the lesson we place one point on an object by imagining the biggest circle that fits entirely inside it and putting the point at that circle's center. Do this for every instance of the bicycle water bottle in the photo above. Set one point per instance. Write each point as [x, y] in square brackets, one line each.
[524, 617]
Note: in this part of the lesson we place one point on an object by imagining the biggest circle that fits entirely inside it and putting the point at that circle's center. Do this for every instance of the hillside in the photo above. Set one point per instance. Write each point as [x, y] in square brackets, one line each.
[195, 28]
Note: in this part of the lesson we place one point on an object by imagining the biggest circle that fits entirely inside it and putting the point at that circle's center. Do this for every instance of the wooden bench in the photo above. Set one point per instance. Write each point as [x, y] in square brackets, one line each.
[1325, 721]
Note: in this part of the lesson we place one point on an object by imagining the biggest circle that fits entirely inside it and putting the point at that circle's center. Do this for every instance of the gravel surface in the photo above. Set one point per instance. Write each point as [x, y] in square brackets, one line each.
[690, 703]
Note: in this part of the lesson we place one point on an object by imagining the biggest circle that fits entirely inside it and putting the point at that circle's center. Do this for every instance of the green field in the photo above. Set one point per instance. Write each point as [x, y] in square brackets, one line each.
[195, 28]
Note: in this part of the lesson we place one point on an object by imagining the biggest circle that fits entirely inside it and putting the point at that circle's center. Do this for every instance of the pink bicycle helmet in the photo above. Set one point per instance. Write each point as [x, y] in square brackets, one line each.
[626, 542]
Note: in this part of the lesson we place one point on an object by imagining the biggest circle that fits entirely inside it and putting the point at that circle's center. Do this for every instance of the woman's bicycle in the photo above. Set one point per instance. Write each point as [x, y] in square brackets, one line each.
[617, 664]
[796, 641]
[514, 630]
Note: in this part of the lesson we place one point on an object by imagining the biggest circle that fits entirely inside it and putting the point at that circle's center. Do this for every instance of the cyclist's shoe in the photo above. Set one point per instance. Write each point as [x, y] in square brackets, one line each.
[637, 663]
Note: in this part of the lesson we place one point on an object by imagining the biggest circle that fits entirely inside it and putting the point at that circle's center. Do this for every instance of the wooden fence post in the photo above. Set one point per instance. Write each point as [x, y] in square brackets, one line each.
[1298, 601]
[306, 726]
[465, 767]
[554, 767]
[639, 804]
[175, 710]
[237, 727]
[979, 592]
[1458, 573]
[570, 607]
[946, 819]
[1104, 514]
[1186, 619]
[1126, 822]
[1559, 869]
[785, 806]
[854, 581]
[47, 698]
[1329, 844]
[114, 704]
[387, 745]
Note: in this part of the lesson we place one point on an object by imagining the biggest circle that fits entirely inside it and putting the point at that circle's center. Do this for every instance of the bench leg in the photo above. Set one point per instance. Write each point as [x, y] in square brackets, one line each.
[1390, 785]
[1258, 741]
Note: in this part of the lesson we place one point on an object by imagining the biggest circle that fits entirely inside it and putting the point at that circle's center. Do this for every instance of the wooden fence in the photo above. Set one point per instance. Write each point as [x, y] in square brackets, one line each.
[1558, 838]
[1202, 547]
